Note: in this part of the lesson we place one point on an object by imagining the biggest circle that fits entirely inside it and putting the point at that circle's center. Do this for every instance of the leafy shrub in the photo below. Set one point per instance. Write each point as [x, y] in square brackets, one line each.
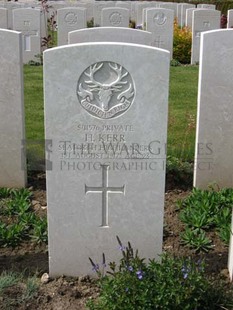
[182, 43]
[18, 220]
[204, 210]
[178, 172]
[173, 283]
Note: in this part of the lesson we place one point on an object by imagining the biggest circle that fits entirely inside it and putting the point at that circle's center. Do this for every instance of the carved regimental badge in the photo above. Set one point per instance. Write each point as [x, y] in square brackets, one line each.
[106, 90]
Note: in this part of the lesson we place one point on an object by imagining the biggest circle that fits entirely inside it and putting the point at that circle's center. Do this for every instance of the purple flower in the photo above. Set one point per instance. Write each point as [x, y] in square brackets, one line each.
[185, 272]
[121, 247]
[95, 268]
[139, 274]
[127, 289]
[130, 268]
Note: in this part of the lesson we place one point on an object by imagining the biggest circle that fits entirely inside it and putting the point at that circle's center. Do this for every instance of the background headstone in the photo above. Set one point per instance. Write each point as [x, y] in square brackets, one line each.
[99, 5]
[115, 17]
[3, 18]
[159, 22]
[184, 8]
[170, 6]
[107, 118]
[214, 142]
[12, 132]
[202, 20]
[110, 34]
[189, 18]
[69, 19]
[27, 21]
[230, 19]
[206, 6]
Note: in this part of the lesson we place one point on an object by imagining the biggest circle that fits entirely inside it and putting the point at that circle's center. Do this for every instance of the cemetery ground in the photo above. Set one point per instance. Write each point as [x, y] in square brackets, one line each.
[23, 248]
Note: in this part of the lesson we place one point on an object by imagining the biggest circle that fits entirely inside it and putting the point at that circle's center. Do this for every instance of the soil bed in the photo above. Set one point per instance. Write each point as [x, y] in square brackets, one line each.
[72, 293]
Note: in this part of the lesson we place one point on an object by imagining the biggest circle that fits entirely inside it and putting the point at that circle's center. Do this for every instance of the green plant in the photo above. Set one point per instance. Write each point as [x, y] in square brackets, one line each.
[204, 210]
[196, 239]
[39, 232]
[182, 42]
[12, 234]
[19, 222]
[8, 279]
[132, 24]
[172, 284]
[31, 288]
[175, 63]
[90, 23]
[178, 171]
[5, 192]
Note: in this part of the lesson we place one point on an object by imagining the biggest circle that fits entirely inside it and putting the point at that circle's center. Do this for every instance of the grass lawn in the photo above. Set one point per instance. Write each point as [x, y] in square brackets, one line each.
[182, 110]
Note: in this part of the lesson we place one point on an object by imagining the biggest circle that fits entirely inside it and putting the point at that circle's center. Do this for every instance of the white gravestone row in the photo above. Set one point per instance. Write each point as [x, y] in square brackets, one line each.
[106, 179]
[202, 20]
[110, 34]
[12, 156]
[214, 143]
[27, 21]
[159, 22]
[69, 19]
[115, 17]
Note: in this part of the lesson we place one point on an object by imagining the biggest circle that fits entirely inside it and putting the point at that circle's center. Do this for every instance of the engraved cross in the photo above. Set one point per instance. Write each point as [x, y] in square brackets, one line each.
[105, 190]
[158, 42]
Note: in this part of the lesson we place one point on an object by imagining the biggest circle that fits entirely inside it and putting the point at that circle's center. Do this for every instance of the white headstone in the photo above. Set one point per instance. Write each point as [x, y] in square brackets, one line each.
[206, 6]
[115, 17]
[230, 19]
[133, 11]
[159, 22]
[214, 142]
[170, 6]
[69, 19]
[110, 34]
[10, 6]
[107, 119]
[89, 9]
[203, 20]
[99, 5]
[124, 5]
[27, 21]
[189, 18]
[12, 132]
[3, 18]
[139, 10]
[184, 8]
